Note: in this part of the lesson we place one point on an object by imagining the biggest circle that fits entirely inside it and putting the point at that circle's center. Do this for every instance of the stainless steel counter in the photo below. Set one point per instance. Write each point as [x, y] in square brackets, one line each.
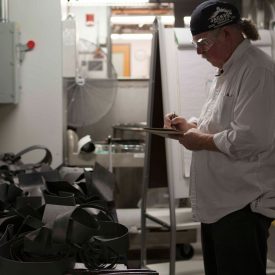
[116, 160]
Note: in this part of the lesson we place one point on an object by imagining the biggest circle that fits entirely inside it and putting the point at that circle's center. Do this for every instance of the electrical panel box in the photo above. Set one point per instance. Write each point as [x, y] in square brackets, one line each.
[10, 63]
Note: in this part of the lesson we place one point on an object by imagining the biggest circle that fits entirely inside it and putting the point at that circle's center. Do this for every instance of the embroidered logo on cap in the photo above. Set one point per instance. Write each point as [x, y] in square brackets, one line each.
[220, 17]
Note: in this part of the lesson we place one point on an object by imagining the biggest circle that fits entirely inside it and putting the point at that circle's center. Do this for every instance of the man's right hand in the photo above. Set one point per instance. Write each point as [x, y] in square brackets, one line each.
[176, 122]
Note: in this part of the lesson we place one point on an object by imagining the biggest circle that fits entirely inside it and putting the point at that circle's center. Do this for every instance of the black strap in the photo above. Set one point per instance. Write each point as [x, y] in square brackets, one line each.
[47, 159]
[83, 225]
[113, 272]
[10, 266]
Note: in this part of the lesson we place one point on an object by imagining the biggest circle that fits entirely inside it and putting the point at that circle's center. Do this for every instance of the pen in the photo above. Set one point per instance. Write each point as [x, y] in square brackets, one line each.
[173, 115]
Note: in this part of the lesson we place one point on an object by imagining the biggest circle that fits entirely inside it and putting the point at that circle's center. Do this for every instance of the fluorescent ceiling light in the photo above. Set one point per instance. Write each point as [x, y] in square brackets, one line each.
[132, 36]
[142, 20]
[125, 20]
[107, 2]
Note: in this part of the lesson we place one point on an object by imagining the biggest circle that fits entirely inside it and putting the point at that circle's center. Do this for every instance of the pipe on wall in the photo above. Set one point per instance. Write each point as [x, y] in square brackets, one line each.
[272, 11]
[262, 12]
[4, 11]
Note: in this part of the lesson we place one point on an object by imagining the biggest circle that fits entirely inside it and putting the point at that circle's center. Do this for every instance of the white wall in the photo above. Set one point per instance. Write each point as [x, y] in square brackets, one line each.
[95, 33]
[38, 118]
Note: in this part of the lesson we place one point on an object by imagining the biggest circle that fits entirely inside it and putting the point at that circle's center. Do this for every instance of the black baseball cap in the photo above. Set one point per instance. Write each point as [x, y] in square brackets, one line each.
[213, 14]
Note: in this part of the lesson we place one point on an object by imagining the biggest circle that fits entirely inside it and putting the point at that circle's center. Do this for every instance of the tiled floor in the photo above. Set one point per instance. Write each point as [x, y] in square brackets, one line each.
[194, 266]
[190, 267]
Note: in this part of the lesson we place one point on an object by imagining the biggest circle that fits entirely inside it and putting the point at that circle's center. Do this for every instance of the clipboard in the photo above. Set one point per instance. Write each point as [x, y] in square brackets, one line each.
[164, 132]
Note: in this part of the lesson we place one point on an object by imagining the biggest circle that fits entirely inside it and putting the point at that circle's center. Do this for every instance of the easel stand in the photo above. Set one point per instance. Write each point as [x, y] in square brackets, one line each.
[155, 169]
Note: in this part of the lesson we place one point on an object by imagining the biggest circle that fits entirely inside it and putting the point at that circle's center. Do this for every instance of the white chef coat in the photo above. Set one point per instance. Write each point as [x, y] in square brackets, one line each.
[240, 112]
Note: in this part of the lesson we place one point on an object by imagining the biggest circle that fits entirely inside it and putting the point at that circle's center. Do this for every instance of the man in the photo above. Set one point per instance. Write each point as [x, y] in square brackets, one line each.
[232, 186]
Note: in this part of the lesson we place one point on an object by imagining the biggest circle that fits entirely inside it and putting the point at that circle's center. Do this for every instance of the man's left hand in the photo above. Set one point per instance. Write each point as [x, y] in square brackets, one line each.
[195, 140]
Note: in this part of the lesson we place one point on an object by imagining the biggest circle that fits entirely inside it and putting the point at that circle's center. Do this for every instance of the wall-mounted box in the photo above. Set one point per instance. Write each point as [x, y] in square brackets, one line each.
[9, 63]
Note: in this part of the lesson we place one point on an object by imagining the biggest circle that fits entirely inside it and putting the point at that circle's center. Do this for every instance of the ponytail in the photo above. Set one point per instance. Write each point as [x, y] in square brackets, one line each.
[249, 29]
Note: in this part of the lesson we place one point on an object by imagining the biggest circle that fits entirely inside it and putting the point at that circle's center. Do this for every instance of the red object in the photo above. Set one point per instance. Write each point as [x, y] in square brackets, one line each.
[30, 44]
[90, 18]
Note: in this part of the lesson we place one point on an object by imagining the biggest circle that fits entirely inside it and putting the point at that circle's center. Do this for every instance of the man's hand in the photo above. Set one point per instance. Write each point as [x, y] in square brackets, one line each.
[195, 140]
[177, 122]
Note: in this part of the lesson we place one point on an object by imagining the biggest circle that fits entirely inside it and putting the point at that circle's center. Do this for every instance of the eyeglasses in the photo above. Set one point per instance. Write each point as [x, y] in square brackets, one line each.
[205, 43]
